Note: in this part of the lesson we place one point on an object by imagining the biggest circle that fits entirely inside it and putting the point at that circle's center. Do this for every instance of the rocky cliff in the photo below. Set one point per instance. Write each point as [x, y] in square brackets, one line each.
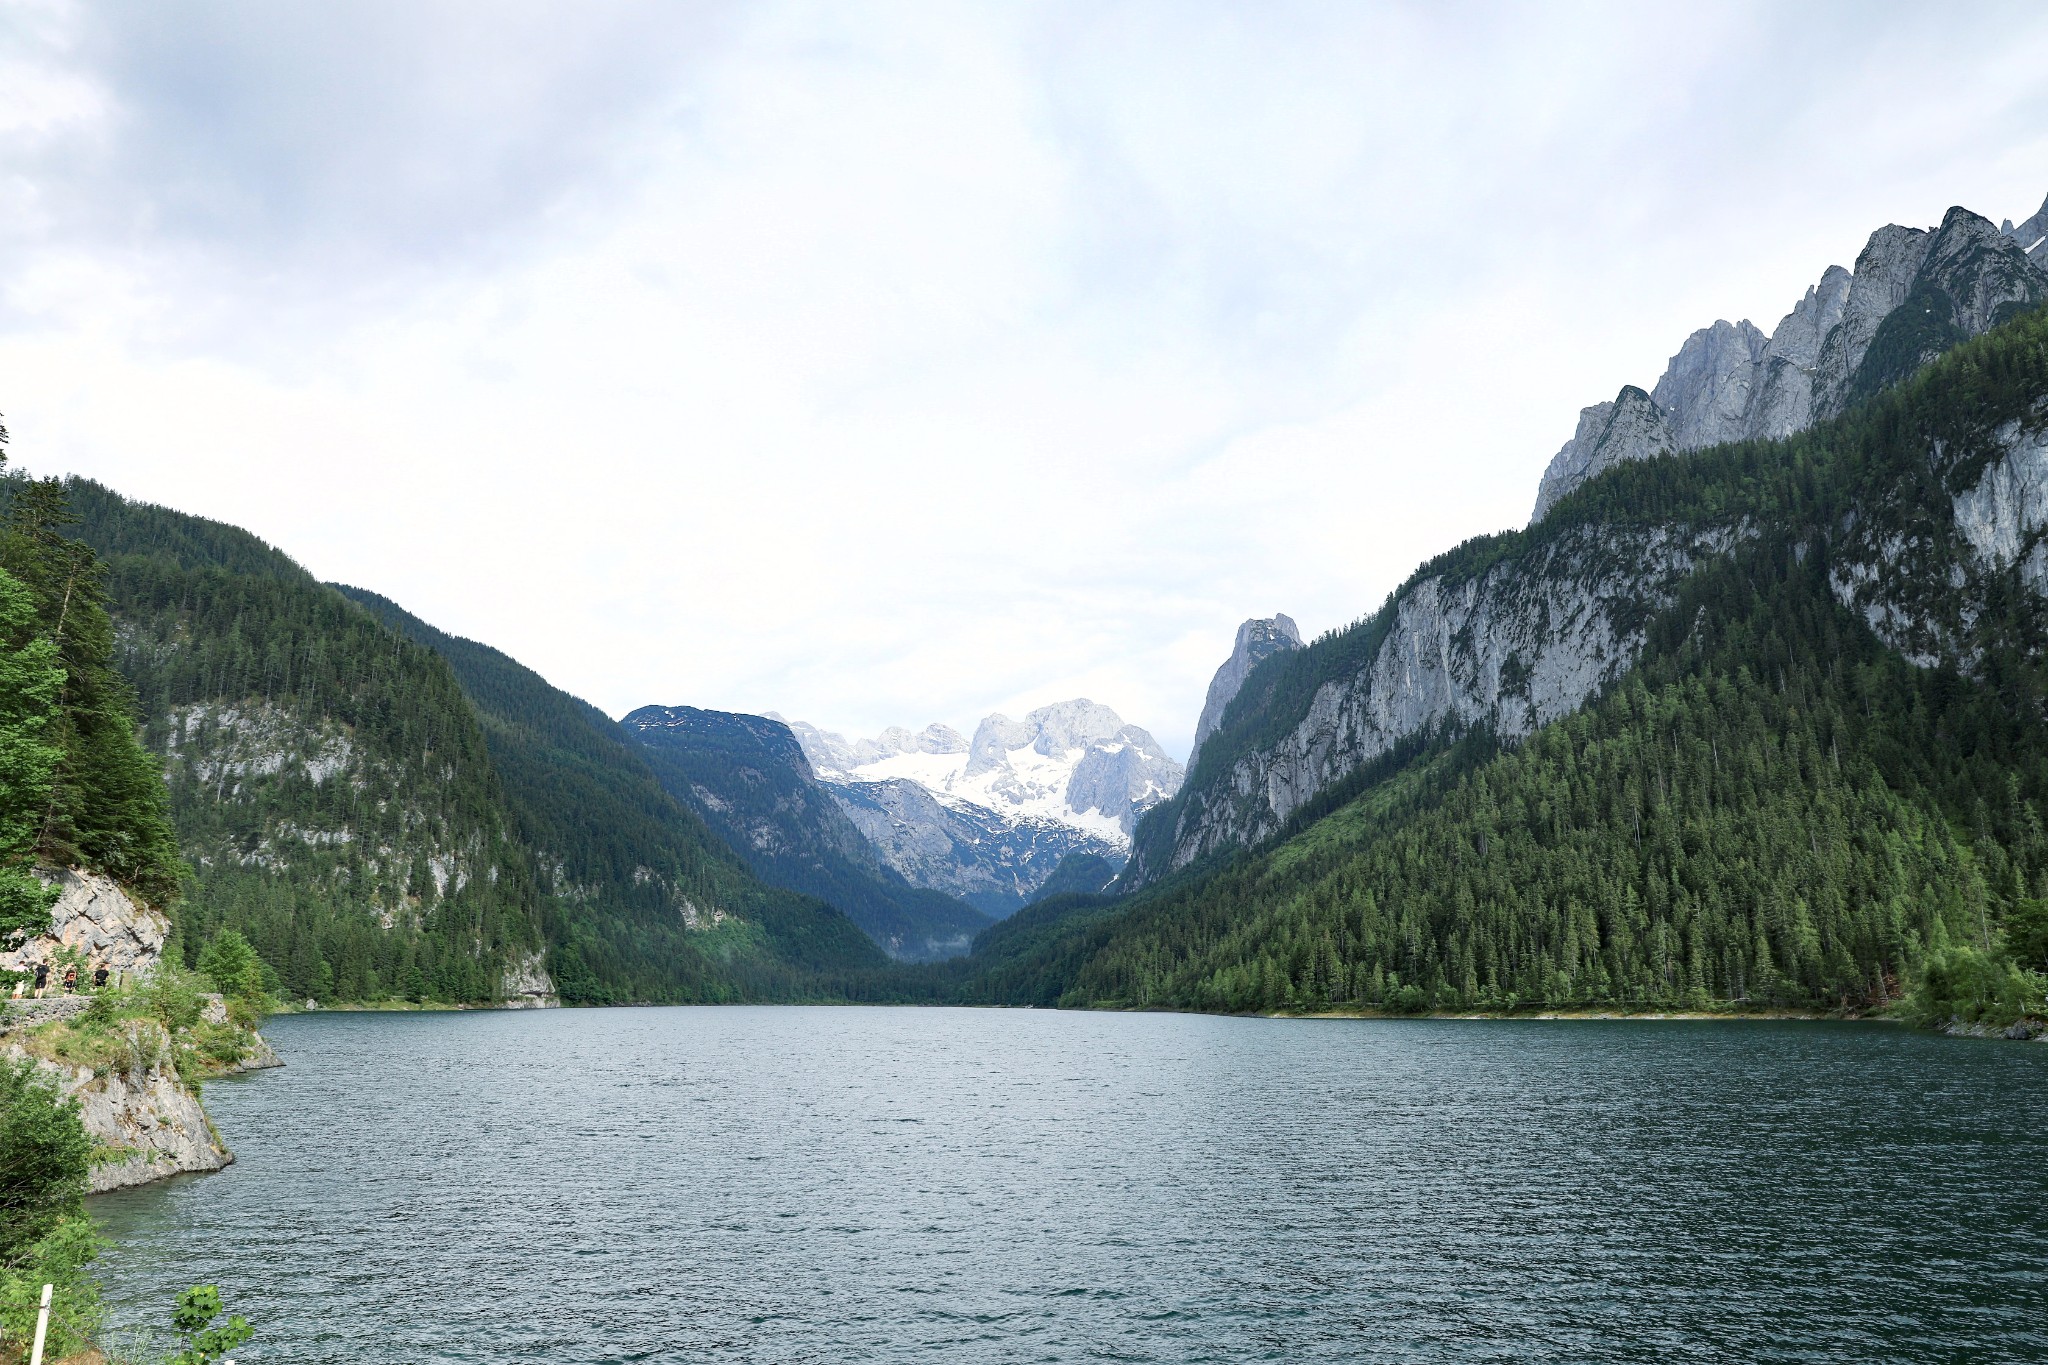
[94, 923]
[133, 1099]
[1258, 639]
[1913, 294]
[1510, 632]
[1511, 644]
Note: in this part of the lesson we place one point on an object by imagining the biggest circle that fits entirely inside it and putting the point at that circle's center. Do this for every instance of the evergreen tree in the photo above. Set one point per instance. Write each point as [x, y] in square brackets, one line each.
[106, 806]
[29, 681]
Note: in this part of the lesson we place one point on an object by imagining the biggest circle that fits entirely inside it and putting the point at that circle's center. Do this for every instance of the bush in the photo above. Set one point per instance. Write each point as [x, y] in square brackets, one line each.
[174, 996]
[204, 1340]
[45, 1236]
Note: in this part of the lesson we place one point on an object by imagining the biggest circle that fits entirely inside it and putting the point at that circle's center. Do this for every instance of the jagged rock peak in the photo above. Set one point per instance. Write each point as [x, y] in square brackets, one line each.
[1257, 639]
[1632, 427]
[2032, 235]
[833, 755]
[1851, 335]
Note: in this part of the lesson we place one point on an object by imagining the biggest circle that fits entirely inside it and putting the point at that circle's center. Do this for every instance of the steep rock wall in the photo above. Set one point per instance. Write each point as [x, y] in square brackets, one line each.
[1526, 641]
[94, 917]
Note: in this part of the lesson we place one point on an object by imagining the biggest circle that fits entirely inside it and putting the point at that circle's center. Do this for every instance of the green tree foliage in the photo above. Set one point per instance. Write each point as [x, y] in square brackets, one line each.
[106, 808]
[45, 1236]
[30, 679]
[382, 811]
[331, 787]
[230, 963]
[202, 1337]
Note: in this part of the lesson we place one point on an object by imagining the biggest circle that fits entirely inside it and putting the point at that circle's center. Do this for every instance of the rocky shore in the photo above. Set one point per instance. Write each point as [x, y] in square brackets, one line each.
[136, 1102]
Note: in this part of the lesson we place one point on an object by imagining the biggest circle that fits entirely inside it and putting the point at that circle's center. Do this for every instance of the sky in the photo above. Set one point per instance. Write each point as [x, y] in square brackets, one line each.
[886, 363]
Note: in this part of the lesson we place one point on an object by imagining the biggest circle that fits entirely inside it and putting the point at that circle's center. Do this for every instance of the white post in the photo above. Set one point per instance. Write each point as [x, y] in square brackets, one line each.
[35, 1355]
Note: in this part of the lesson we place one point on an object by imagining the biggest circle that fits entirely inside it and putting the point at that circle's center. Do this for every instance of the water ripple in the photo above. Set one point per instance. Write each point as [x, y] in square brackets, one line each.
[784, 1185]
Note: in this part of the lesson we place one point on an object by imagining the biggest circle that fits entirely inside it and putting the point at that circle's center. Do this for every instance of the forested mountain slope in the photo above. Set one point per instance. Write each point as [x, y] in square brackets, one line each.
[1813, 766]
[344, 802]
[649, 903]
[328, 781]
[748, 778]
[76, 789]
[1516, 631]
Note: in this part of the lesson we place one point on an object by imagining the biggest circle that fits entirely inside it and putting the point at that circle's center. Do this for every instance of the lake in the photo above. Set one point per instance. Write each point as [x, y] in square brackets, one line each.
[839, 1184]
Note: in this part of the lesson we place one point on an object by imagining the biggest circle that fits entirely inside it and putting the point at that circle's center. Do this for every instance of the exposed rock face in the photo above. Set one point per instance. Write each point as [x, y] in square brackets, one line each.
[527, 986]
[1919, 584]
[148, 1114]
[94, 916]
[142, 1111]
[1527, 641]
[993, 862]
[1632, 427]
[1914, 293]
[1257, 640]
[1706, 390]
[2032, 236]
[1783, 401]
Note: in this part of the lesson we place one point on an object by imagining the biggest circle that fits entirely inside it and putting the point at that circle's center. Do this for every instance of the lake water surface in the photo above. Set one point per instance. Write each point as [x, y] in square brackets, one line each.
[783, 1184]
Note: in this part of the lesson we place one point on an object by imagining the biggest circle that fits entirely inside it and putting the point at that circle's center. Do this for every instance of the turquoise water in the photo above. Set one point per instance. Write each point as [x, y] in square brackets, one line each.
[784, 1184]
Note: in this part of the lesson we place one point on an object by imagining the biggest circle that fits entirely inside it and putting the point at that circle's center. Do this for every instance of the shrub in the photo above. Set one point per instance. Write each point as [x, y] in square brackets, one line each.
[45, 1236]
[205, 1340]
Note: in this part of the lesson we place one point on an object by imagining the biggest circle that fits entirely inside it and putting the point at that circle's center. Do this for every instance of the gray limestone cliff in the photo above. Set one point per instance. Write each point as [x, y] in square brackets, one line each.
[1921, 580]
[94, 919]
[1513, 646]
[1258, 639]
[138, 1109]
[1913, 294]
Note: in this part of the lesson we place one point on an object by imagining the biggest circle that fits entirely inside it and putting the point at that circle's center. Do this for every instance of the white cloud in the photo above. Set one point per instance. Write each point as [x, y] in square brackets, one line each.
[890, 363]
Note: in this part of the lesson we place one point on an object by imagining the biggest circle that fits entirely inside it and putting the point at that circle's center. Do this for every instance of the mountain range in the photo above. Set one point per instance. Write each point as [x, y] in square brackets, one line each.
[1750, 715]
[991, 819]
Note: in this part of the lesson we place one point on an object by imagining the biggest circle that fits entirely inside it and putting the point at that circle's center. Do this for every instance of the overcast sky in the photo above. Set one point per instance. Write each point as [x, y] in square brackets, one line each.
[878, 364]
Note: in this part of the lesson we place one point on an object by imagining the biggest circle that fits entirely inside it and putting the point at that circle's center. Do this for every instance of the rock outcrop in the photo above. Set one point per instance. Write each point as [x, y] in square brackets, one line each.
[95, 919]
[2031, 236]
[526, 984]
[1920, 581]
[1258, 639]
[146, 1120]
[1913, 294]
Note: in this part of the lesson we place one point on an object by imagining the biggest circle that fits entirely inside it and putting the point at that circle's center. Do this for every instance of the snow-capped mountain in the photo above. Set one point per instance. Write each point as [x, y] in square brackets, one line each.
[990, 818]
